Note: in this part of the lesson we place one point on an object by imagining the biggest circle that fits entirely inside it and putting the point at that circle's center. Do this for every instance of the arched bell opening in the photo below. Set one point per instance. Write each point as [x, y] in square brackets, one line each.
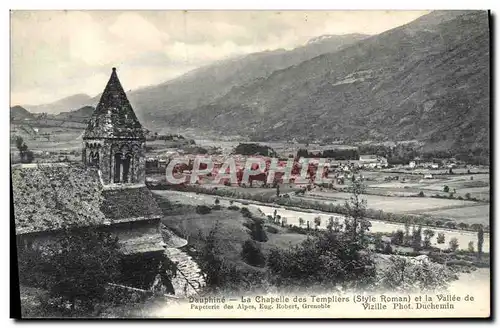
[123, 168]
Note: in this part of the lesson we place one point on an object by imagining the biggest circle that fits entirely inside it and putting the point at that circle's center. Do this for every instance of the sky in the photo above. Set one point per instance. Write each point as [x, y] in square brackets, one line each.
[55, 54]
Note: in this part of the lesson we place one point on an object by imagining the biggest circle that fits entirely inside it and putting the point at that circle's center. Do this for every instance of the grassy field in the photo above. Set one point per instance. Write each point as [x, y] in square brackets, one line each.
[395, 204]
[469, 215]
[232, 233]
[476, 185]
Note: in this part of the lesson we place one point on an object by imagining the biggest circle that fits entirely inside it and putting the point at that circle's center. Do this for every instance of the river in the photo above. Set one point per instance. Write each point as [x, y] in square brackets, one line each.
[292, 217]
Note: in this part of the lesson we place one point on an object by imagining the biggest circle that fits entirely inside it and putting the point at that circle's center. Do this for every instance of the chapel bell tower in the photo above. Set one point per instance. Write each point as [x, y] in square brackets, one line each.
[114, 140]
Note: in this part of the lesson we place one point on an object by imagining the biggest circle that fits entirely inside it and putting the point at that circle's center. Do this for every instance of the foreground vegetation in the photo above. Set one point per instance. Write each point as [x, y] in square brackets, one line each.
[239, 250]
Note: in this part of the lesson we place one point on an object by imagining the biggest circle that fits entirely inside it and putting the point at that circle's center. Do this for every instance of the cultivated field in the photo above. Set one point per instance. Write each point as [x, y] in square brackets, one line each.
[459, 210]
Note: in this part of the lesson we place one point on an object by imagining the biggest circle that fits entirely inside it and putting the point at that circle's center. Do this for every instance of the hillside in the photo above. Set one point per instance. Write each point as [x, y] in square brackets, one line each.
[427, 80]
[81, 115]
[205, 84]
[18, 113]
[63, 105]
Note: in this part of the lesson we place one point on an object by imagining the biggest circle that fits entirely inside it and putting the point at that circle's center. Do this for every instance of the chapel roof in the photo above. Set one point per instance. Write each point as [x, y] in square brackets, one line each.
[114, 117]
[56, 196]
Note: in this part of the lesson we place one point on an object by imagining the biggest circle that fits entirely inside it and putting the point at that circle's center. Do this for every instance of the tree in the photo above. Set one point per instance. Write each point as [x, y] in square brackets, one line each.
[454, 244]
[416, 238]
[467, 195]
[210, 259]
[398, 238]
[480, 240]
[257, 230]
[446, 189]
[217, 201]
[317, 222]
[451, 225]
[301, 222]
[463, 225]
[277, 219]
[356, 210]
[428, 234]
[329, 259]
[421, 194]
[407, 237]
[252, 254]
[406, 275]
[25, 154]
[440, 238]
[337, 226]
[277, 190]
[330, 224]
[470, 246]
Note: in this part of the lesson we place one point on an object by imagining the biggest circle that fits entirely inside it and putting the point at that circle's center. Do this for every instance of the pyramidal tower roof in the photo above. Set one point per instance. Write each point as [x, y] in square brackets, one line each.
[114, 117]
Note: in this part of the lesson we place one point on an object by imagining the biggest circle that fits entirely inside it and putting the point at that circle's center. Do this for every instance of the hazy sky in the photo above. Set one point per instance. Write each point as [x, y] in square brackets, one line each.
[55, 54]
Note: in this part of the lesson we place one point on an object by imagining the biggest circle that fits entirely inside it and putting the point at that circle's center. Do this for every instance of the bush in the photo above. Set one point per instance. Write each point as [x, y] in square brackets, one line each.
[246, 212]
[330, 259]
[471, 246]
[252, 254]
[398, 237]
[233, 208]
[402, 274]
[76, 268]
[421, 194]
[440, 238]
[387, 249]
[216, 207]
[454, 244]
[272, 229]
[257, 231]
[203, 209]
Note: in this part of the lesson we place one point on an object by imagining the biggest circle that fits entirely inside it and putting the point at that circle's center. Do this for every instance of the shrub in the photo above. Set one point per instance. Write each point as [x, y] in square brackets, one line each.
[387, 249]
[329, 259]
[446, 189]
[471, 246]
[440, 238]
[252, 254]
[203, 209]
[233, 208]
[404, 275]
[454, 244]
[257, 230]
[421, 194]
[76, 268]
[246, 212]
[216, 207]
[398, 237]
[428, 234]
[317, 222]
[272, 229]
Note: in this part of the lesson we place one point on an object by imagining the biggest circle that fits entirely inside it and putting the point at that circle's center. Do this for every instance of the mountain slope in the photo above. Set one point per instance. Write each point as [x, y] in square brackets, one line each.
[205, 84]
[81, 115]
[19, 113]
[62, 105]
[426, 80]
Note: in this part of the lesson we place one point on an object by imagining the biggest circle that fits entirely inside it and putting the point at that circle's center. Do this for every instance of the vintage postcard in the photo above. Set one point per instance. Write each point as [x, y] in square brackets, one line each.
[251, 164]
